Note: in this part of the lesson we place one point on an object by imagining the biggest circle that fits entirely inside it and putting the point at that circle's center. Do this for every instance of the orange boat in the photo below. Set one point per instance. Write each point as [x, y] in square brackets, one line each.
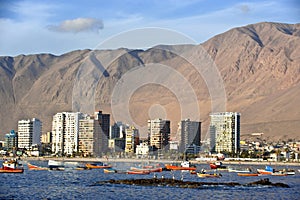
[247, 174]
[183, 166]
[34, 167]
[96, 166]
[138, 172]
[174, 167]
[265, 172]
[11, 166]
[217, 165]
[159, 169]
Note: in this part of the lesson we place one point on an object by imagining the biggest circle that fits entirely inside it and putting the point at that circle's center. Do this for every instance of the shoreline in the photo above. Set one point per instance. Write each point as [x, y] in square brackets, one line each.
[135, 160]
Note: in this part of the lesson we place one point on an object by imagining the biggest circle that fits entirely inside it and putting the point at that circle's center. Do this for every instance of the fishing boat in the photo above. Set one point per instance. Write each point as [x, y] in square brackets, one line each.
[203, 175]
[217, 165]
[97, 166]
[109, 171]
[79, 167]
[35, 167]
[288, 171]
[11, 166]
[267, 171]
[248, 174]
[185, 165]
[278, 174]
[239, 170]
[140, 172]
[56, 165]
[159, 169]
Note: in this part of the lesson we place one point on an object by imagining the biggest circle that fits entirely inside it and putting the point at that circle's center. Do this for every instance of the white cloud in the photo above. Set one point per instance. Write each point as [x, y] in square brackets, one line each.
[78, 25]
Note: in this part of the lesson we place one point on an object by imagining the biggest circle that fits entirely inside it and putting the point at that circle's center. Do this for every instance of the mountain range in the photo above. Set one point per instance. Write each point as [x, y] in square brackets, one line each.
[253, 70]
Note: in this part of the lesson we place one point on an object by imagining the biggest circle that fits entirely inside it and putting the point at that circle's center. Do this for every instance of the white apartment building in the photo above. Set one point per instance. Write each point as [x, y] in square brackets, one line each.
[65, 132]
[225, 132]
[29, 133]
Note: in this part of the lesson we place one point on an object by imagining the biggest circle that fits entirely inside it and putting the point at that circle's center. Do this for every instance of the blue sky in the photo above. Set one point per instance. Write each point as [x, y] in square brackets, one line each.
[57, 27]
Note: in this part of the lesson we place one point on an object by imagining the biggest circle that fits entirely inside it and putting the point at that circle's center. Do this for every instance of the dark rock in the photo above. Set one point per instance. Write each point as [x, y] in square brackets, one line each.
[187, 184]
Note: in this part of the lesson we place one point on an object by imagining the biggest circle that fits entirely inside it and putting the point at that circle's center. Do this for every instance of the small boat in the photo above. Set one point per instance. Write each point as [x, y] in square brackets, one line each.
[34, 167]
[248, 174]
[55, 165]
[185, 165]
[267, 171]
[109, 171]
[11, 166]
[217, 165]
[82, 168]
[292, 172]
[201, 175]
[239, 170]
[159, 169]
[140, 172]
[278, 174]
[288, 171]
[97, 166]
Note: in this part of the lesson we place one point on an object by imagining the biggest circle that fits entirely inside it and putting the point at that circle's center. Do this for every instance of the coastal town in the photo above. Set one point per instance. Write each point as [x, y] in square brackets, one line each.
[80, 135]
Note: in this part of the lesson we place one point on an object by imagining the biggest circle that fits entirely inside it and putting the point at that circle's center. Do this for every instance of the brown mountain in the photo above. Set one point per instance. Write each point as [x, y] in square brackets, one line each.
[257, 65]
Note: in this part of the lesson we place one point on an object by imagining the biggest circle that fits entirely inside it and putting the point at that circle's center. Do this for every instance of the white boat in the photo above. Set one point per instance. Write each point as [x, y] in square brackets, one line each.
[53, 164]
[239, 170]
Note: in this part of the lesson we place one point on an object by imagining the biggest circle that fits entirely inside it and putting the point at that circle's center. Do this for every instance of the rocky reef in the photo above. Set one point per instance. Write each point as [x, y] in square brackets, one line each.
[188, 184]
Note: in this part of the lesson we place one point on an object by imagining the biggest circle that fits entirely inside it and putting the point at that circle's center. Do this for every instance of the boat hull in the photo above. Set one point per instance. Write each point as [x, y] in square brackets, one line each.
[239, 170]
[109, 171]
[91, 166]
[262, 171]
[34, 167]
[217, 166]
[173, 167]
[11, 170]
[146, 169]
[140, 173]
[248, 174]
[208, 175]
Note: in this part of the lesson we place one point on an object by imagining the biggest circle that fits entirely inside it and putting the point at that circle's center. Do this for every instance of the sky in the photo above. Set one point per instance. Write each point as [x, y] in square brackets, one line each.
[57, 27]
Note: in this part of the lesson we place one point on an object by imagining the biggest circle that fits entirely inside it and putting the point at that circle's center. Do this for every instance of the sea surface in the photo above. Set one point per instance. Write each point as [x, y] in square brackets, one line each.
[82, 184]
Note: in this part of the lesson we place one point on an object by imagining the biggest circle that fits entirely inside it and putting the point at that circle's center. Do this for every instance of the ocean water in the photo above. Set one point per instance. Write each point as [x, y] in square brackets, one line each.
[82, 184]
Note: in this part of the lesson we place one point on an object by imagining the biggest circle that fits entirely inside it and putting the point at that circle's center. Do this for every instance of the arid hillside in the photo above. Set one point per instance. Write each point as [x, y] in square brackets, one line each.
[254, 70]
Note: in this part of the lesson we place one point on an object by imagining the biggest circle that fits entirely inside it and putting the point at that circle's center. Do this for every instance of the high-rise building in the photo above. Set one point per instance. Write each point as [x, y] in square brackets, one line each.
[11, 140]
[225, 132]
[86, 136]
[190, 134]
[58, 133]
[74, 132]
[101, 133]
[159, 133]
[29, 133]
[65, 131]
[132, 139]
